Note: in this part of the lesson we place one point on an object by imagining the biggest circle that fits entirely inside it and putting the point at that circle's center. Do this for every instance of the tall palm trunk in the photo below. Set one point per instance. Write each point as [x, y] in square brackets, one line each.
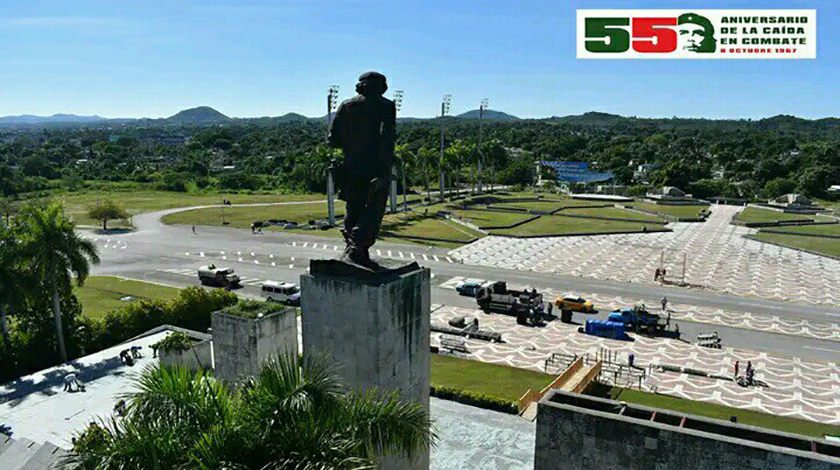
[59, 330]
[4, 327]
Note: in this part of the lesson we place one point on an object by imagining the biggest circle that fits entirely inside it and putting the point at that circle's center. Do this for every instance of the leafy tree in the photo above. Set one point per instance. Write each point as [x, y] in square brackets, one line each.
[107, 210]
[18, 283]
[779, 187]
[58, 255]
[292, 416]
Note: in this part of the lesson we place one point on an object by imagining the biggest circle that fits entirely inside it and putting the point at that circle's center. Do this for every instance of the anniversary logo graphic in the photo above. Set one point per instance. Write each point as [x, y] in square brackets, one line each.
[696, 34]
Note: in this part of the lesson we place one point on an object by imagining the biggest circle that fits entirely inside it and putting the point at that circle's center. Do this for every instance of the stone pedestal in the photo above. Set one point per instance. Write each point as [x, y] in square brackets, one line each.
[376, 327]
[241, 344]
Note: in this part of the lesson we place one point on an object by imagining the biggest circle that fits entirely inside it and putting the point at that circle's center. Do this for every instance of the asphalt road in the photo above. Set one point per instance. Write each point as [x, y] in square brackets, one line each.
[171, 254]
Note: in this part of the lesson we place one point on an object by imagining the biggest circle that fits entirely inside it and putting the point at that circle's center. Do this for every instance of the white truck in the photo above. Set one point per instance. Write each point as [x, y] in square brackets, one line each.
[221, 277]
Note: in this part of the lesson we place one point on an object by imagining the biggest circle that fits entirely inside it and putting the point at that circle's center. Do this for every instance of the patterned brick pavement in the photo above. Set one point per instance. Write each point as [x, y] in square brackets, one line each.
[796, 387]
[716, 254]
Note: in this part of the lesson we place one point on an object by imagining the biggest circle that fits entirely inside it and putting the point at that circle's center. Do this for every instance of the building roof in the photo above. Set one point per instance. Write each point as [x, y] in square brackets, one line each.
[35, 407]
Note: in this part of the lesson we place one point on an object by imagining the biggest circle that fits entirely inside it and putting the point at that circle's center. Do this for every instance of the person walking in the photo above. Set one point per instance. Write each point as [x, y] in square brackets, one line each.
[737, 366]
[193, 229]
[664, 303]
[656, 275]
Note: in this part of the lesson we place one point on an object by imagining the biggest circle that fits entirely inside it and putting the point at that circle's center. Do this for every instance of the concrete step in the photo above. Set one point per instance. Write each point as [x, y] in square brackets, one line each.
[18, 454]
[530, 413]
[46, 458]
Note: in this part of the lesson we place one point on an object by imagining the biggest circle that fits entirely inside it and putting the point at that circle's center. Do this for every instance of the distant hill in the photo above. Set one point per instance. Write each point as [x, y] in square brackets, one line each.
[54, 119]
[592, 118]
[489, 114]
[199, 115]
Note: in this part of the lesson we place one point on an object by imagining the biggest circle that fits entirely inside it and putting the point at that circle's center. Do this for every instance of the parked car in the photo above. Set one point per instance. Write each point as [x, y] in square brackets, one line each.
[221, 277]
[284, 292]
[470, 288]
[574, 303]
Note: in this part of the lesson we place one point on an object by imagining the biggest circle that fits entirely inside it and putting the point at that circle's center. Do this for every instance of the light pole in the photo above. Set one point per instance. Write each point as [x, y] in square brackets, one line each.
[481, 110]
[398, 97]
[332, 104]
[444, 110]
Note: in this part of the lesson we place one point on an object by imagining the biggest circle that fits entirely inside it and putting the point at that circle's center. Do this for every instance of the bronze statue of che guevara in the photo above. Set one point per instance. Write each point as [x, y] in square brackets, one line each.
[364, 128]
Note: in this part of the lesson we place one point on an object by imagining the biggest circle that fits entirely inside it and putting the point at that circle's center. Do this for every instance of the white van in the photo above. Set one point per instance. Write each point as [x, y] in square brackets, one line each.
[284, 292]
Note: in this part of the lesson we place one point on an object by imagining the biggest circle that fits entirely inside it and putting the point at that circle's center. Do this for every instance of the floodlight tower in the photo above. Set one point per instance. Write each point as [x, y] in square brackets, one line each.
[398, 97]
[445, 104]
[481, 110]
[332, 105]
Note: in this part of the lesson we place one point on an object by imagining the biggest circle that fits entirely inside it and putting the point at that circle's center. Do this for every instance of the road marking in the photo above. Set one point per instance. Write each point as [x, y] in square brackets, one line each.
[221, 252]
[436, 258]
[305, 244]
[273, 263]
[256, 262]
[201, 254]
[425, 258]
[252, 253]
[378, 252]
[224, 257]
[412, 255]
[449, 259]
[240, 260]
[291, 266]
[335, 247]
[271, 256]
[401, 255]
[822, 349]
[293, 258]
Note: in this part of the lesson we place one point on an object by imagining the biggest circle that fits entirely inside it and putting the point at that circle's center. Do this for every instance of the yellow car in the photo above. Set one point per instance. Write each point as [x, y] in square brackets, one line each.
[574, 303]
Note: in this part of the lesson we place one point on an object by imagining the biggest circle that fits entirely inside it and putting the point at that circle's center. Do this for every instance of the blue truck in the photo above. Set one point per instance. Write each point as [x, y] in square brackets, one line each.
[639, 320]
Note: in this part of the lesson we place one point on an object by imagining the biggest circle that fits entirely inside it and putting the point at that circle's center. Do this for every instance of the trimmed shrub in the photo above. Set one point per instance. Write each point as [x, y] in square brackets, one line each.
[478, 400]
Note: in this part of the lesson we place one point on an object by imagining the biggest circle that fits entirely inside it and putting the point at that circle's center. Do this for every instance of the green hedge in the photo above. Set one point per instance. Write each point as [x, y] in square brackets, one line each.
[478, 400]
[190, 310]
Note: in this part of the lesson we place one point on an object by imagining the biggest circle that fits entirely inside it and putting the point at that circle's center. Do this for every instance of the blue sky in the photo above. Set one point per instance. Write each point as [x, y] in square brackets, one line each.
[152, 58]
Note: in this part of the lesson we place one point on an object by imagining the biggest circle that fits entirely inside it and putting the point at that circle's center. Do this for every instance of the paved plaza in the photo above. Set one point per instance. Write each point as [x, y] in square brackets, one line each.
[715, 254]
[698, 314]
[795, 387]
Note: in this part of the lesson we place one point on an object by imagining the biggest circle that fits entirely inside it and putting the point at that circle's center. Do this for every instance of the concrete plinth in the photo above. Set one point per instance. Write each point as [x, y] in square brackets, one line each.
[376, 329]
[242, 344]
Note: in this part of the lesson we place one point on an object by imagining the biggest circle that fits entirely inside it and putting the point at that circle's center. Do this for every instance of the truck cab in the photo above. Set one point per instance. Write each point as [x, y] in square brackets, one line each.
[221, 277]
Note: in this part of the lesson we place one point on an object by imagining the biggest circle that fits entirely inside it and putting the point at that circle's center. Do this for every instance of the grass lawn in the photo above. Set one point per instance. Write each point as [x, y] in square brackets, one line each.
[557, 225]
[136, 202]
[614, 212]
[711, 410]
[675, 211]
[417, 225]
[243, 217]
[504, 382]
[828, 246]
[753, 214]
[491, 218]
[547, 205]
[101, 294]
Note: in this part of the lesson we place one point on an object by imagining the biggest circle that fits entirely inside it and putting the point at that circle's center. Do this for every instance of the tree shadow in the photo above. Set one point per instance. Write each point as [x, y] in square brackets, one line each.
[6, 430]
[16, 392]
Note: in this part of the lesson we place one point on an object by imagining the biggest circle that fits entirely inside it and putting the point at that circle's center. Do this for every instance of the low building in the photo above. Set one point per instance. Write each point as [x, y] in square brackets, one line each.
[669, 195]
[834, 189]
[793, 203]
[578, 432]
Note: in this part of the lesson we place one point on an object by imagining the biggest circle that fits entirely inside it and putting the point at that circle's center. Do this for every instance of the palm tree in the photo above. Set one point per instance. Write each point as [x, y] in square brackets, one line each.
[294, 415]
[57, 254]
[15, 277]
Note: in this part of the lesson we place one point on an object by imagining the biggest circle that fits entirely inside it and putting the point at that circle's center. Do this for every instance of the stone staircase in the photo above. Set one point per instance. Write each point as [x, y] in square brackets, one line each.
[24, 454]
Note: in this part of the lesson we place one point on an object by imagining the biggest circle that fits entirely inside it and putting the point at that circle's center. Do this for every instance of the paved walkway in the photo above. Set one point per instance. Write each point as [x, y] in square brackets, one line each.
[796, 387]
[716, 255]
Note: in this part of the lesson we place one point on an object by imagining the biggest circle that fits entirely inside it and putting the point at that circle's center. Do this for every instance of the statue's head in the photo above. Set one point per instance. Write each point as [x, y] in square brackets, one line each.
[372, 84]
[695, 33]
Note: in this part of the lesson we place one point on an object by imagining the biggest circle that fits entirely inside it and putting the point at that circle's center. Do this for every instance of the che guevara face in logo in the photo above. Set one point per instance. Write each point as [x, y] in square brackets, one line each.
[695, 33]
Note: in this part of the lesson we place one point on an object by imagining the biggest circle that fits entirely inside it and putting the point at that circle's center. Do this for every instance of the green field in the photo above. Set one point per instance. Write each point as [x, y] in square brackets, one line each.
[418, 225]
[754, 214]
[828, 246]
[711, 410]
[137, 202]
[243, 217]
[101, 294]
[558, 225]
[504, 382]
[492, 218]
[674, 211]
[613, 212]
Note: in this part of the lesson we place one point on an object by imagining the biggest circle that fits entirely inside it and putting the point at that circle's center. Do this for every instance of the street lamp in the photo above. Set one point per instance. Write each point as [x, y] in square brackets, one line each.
[332, 105]
[481, 110]
[445, 104]
[398, 98]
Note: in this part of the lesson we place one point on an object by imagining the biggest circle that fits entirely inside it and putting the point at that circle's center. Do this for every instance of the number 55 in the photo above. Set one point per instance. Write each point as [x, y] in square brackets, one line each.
[608, 34]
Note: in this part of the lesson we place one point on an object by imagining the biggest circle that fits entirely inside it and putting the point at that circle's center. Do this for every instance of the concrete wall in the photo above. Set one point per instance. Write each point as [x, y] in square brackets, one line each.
[199, 356]
[377, 332]
[576, 433]
[241, 344]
